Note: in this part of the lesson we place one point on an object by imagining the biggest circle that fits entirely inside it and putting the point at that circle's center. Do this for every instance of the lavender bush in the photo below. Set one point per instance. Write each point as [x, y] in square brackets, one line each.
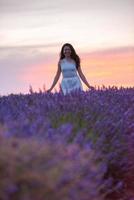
[41, 170]
[77, 146]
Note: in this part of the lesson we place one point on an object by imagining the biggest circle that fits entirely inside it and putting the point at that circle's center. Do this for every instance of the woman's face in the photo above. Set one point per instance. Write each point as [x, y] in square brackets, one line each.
[67, 51]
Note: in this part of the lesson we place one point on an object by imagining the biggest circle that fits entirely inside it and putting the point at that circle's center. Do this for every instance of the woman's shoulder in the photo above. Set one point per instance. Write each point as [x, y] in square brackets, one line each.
[61, 61]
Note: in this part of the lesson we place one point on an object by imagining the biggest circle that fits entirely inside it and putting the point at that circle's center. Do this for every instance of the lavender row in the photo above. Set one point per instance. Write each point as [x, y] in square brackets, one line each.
[99, 121]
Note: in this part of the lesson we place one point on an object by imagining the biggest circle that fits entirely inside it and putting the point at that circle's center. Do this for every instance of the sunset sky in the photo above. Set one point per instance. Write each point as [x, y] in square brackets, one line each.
[32, 33]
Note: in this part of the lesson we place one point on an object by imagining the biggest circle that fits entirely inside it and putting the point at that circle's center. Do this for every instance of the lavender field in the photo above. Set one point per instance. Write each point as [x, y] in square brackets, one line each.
[74, 147]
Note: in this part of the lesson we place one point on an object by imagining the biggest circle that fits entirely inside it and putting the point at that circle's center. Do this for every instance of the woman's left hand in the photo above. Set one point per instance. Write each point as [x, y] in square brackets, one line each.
[91, 88]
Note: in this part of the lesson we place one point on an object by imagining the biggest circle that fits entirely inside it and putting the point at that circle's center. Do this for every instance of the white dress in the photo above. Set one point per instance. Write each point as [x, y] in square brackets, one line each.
[70, 80]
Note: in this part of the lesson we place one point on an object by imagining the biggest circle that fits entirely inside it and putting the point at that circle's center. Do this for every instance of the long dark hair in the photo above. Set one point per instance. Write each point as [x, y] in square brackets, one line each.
[74, 56]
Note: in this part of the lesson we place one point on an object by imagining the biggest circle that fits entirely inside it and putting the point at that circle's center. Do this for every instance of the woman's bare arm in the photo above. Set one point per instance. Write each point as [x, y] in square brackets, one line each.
[84, 78]
[56, 78]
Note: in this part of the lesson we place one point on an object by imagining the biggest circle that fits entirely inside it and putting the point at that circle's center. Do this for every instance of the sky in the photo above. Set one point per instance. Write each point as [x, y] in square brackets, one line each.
[32, 33]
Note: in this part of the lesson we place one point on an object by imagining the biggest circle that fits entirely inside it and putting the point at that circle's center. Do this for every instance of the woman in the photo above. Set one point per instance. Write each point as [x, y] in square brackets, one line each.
[69, 65]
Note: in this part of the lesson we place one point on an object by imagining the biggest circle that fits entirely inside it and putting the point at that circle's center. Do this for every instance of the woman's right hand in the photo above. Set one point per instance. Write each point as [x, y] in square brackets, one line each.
[49, 90]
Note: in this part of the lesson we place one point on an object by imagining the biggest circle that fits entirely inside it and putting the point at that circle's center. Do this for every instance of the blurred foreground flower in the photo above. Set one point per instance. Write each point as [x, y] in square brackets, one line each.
[31, 169]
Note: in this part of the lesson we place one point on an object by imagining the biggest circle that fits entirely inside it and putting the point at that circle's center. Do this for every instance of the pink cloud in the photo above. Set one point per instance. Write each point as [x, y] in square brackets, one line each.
[110, 66]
